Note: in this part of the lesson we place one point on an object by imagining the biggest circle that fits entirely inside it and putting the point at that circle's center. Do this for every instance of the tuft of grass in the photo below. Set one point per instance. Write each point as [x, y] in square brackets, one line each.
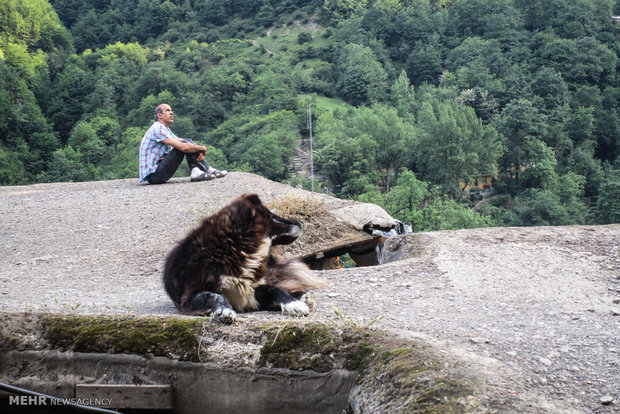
[349, 321]
[297, 207]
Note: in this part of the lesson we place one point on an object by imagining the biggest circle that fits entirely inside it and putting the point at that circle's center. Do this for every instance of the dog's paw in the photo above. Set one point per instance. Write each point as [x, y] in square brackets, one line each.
[226, 316]
[296, 308]
[308, 299]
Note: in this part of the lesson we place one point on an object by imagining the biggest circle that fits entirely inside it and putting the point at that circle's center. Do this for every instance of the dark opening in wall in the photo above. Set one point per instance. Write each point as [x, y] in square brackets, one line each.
[365, 253]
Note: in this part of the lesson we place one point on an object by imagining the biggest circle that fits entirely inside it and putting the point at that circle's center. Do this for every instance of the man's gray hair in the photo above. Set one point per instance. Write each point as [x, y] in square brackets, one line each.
[158, 111]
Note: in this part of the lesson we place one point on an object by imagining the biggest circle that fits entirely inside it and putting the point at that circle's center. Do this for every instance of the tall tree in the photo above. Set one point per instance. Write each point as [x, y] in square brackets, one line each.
[362, 78]
[455, 146]
[523, 127]
[395, 138]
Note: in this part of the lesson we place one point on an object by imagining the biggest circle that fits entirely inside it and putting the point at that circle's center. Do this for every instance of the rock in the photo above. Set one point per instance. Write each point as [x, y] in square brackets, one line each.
[361, 216]
[607, 400]
[544, 361]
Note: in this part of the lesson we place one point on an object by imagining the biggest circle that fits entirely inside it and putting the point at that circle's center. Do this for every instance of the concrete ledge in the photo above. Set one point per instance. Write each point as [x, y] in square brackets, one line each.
[184, 387]
[285, 366]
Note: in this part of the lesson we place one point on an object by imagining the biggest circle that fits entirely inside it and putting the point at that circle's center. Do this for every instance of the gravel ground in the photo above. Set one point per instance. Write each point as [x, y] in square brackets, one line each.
[534, 311]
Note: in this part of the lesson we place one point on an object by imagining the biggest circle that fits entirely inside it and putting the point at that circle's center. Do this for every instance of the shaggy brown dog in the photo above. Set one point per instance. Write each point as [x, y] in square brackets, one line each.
[230, 263]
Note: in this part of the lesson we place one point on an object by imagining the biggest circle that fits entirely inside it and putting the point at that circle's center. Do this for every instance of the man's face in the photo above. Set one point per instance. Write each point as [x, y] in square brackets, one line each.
[167, 116]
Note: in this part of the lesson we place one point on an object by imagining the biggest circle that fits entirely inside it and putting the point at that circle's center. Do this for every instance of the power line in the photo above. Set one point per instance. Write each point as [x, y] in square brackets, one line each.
[311, 152]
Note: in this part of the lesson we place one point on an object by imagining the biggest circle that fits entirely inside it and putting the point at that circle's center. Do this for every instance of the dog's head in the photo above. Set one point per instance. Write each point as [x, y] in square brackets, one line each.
[280, 230]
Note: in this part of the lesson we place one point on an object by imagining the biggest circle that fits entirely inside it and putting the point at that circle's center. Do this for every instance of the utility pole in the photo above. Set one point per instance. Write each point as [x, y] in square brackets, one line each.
[311, 159]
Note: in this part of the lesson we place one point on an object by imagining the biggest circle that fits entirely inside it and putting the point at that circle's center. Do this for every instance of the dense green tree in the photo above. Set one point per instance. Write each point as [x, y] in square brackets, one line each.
[580, 61]
[339, 10]
[266, 15]
[455, 146]
[263, 143]
[85, 141]
[448, 214]
[93, 33]
[67, 164]
[32, 23]
[362, 78]
[347, 165]
[570, 189]
[536, 207]
[12, 171]
[394, 138]
[583, 162]
[344, 155]
[523, 127]
[68, 95]
[607, 125]
[607, 207]
[481, 17]
[24, 131]
[538, 170]
[481, 101]
[403, 200]
[548, 84]
[402, 97]
[424, 64]
[124, 163]
[385, 144]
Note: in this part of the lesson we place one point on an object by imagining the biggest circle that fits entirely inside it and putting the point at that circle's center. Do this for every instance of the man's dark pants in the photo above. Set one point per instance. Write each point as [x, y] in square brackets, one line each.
[170, 163]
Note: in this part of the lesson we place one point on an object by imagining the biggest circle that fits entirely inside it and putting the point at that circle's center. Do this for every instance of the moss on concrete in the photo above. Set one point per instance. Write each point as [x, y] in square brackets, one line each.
[408, 377]
[395, 374]
[316, 347]
[172, 338]
[404, 375]
[8, 342]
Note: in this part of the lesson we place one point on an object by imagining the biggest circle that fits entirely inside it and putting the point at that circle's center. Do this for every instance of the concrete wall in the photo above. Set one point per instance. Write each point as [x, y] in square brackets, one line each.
[196, 388]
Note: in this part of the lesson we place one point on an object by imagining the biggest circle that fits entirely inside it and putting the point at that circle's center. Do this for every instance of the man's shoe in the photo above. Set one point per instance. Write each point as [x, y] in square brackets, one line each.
[205, 176]
[219, 173]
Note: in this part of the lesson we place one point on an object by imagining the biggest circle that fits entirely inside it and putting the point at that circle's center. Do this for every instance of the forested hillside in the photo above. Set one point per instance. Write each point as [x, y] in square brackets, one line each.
[411, 99]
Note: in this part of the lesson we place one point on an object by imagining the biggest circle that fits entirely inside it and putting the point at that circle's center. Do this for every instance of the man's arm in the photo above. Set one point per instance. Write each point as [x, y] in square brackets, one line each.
[186, 147]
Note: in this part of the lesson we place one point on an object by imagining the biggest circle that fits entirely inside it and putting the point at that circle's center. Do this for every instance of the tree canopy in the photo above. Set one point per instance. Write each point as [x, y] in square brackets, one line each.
[415, 102]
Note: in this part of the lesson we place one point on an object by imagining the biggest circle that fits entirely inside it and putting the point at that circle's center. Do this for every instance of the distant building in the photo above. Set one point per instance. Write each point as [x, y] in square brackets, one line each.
[480, 182]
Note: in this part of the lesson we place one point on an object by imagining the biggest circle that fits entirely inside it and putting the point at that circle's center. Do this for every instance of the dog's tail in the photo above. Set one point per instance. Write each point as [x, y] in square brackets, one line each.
[293, 276]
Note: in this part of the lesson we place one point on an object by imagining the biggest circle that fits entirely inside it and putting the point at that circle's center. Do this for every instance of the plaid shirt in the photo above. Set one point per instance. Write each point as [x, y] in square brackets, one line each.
[152, 150]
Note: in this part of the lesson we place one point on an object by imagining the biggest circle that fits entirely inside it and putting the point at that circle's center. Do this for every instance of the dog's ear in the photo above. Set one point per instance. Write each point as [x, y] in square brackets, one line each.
[253, 198]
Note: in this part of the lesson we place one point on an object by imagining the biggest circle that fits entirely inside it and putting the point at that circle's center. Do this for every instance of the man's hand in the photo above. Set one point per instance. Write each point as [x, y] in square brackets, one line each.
[186, 147]
[200, 157]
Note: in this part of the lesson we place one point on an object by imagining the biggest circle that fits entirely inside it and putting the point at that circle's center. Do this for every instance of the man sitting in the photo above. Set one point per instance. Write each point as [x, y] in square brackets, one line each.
[161, 152]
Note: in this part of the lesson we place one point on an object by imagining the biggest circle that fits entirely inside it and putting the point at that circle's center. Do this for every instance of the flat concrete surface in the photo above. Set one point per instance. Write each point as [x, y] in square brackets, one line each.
[99, 247]
[534, 311]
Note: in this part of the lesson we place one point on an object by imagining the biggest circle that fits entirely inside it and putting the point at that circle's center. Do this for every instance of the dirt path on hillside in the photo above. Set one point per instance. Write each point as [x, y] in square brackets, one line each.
[534, 311]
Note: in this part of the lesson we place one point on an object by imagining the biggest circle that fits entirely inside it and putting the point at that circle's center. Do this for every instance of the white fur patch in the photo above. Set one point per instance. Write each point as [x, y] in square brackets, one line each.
[225, 315]
[240, 291]
[254, 260]
[296, 308]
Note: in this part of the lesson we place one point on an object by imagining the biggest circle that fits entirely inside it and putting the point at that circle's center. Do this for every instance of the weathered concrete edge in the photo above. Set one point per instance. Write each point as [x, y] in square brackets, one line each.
[392, 375]
[196, 387]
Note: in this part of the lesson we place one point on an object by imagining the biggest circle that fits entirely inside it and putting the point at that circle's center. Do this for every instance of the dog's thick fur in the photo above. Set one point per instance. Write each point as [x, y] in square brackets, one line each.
[231, 262]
